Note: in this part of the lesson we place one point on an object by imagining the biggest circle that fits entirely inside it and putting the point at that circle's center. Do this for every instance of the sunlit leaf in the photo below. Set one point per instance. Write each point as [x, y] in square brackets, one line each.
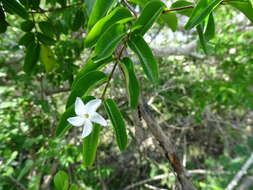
[99, 10]
[150, 13]
[47, 58]
[103, 24]
[200, 12]
[61, 181]
[109, 41]
[243, 6]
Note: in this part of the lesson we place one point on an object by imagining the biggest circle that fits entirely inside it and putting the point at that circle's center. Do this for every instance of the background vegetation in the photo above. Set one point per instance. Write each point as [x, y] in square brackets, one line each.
[203, 102]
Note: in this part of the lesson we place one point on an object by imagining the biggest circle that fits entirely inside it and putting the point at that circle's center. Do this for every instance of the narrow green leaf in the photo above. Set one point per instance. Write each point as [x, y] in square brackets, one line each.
[99, 10]
[146, 57]
[133, 87]
[73, 187]
[150, 13]
[78, 20]
[182, 3]
[210, 28]
[45, 39]
[118, 123]
[243, 6]
[202, 38]
[61, 181]
[64, 126]
[103, 24]
[27, 26]
[85, 84]
[109, 41]
[47, 58]
[27, 39]
[90, 144]
[171, 20]
[200, 12]
[16, 8]
[31, 57]
[91, 66]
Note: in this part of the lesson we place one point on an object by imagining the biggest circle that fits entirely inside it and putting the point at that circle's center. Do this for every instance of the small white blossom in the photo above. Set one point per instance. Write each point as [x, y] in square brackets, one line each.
[85, 115]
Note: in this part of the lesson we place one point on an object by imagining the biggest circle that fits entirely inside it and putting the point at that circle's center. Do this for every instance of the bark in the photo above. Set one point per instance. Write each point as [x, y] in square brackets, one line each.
[168, 147]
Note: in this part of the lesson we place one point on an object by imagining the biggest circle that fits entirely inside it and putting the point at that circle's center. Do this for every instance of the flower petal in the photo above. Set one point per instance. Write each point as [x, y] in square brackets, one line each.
[76, 121]
[97, 118]
[87, 128]
[92, 105]
[79, 107]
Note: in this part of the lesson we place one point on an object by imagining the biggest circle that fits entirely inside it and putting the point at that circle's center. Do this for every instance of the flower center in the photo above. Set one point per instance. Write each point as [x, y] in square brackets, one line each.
[86, 116]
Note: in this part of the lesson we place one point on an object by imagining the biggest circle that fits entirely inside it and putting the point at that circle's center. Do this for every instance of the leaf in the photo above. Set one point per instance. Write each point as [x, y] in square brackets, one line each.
[78, 20]
[73, 187]
[63, 126]
[89, 5]
[181, 3]
[103, 24]
[34, 4]
[210, 28]
[139, 2]
[45, 39]
[27, 39]
[91, 66]
[90, 144]
[99, 10]
[61, 181]
[85, 84]
[16, 8]
[200, 12]
[146, 57]
[47, 28]
[149, 14]
[27, 26]
[133, 87]
[171, 20]
[31, 57]
[118, 123]
[202, 38]
[47, 58]
[3, 23]
[109, 41]
[243, 6]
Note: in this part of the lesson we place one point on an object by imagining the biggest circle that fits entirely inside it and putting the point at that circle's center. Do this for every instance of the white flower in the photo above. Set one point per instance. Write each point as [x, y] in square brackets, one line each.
[86, 114]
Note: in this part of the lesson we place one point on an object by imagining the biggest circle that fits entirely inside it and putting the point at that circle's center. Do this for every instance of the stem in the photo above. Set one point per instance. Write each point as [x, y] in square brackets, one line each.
[112, 72]
[178, 8]
[129, 7]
